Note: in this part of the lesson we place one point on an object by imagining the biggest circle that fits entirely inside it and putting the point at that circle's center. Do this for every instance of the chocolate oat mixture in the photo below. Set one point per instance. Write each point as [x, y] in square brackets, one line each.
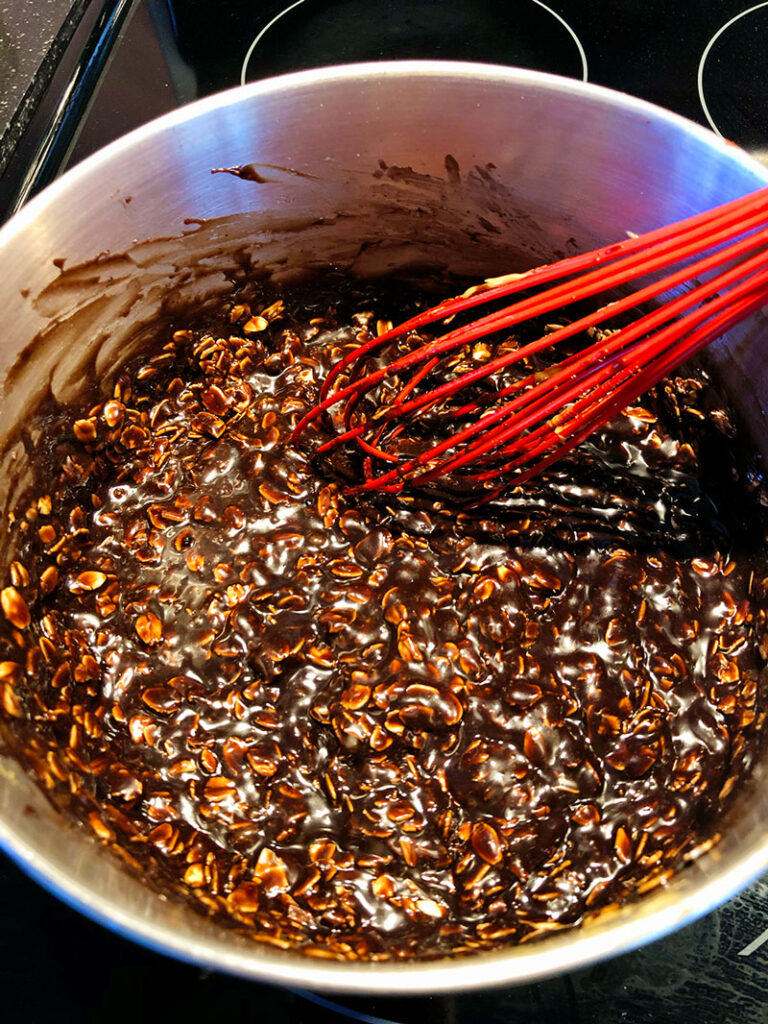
[385, 728]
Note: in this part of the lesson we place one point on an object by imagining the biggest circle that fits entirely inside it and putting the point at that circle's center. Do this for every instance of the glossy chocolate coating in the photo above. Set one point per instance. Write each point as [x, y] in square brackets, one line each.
[386, 728]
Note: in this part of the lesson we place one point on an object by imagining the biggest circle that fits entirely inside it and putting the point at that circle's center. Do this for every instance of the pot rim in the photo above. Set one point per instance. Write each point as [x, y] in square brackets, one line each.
[512, 965]
[371, 69]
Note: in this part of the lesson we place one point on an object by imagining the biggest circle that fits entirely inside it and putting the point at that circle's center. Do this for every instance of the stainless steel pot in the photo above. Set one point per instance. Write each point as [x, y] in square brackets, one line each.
[374, 167]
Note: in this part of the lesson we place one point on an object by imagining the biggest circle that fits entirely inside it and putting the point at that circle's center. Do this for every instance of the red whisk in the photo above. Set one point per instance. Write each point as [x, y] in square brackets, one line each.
[456, 412]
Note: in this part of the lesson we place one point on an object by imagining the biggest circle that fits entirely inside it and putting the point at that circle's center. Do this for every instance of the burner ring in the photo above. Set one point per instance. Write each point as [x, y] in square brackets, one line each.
[705, 54]
[260, 36]
[297, 3]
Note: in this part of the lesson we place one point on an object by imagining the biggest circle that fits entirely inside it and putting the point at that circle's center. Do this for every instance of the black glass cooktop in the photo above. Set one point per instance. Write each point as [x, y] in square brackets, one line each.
[705, 60]
[133, 61]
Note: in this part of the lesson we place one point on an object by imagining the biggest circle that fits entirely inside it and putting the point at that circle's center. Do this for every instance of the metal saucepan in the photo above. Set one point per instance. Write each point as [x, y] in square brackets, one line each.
[474, 168]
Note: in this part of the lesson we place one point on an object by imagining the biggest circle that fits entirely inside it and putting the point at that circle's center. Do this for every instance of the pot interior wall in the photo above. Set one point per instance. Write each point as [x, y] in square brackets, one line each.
[420, 173]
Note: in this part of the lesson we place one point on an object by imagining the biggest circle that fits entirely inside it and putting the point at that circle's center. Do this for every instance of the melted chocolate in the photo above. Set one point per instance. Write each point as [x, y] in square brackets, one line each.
[379, 730]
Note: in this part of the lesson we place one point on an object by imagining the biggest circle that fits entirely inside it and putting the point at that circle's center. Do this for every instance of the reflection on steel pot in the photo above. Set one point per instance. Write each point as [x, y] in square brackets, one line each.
[476, 169]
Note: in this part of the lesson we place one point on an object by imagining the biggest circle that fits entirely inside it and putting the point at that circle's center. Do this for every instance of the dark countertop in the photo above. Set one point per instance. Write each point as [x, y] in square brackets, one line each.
[33, 37]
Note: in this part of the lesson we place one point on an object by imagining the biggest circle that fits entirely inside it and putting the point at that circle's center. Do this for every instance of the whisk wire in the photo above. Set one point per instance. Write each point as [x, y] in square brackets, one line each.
[698, 226]
[517, 429]
[572, 395]
[580, 372]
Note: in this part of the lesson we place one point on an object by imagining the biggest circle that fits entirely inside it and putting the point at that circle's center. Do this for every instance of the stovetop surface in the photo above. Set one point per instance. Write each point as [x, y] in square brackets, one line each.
[704, 60]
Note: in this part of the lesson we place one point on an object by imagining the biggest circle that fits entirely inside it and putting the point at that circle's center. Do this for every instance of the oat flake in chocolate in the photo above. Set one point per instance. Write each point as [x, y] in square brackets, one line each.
[378, 730]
